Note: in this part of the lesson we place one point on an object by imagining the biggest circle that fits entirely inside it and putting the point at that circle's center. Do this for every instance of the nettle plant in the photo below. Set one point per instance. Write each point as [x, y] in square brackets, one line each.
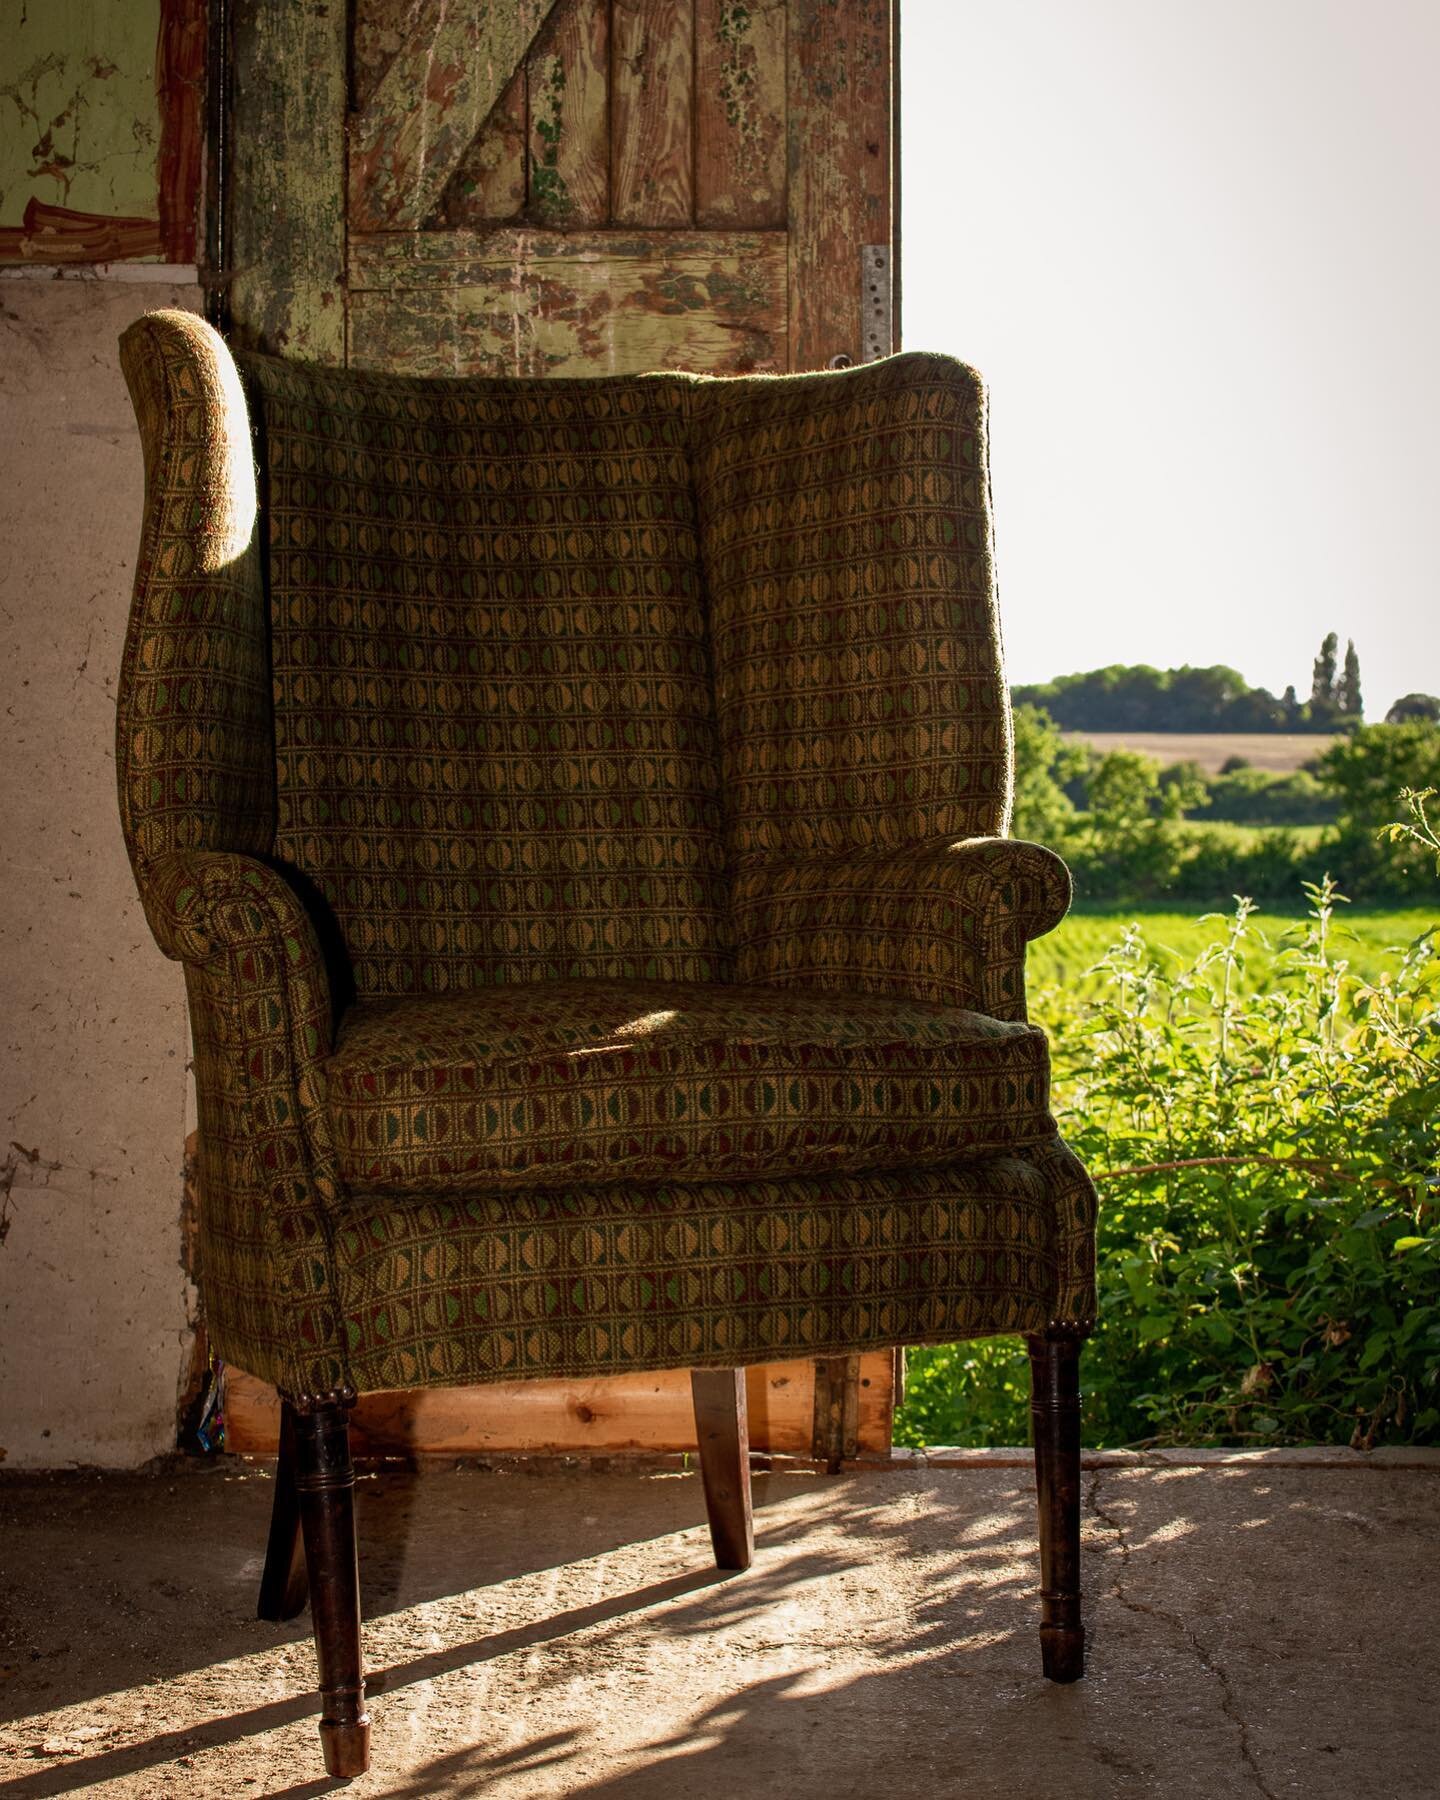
[1268, 1174]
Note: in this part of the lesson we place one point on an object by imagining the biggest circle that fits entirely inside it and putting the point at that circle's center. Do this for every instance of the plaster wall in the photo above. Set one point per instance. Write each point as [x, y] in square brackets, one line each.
[94, 1304]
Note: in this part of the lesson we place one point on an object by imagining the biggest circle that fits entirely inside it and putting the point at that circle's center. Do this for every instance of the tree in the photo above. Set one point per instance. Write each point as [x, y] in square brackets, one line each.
[1322, 684]
[1347, 695]
[1424, 707]
[1291, 703]
[1044, 762]
[1366, 773]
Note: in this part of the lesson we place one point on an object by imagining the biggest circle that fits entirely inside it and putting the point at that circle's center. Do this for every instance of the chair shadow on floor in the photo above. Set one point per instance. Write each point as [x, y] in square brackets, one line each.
[405, 1566]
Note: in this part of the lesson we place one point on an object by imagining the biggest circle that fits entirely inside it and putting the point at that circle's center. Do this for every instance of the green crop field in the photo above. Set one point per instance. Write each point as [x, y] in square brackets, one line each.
[1065, 958]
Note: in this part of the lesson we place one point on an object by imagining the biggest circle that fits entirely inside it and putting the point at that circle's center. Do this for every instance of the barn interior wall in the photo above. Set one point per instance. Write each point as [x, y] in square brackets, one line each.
[95, 1307]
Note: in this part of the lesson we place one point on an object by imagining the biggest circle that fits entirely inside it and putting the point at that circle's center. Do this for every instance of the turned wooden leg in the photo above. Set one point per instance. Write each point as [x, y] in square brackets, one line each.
[325, 1481]
[720, 1425]
[284, 1586]
[1055, 1409]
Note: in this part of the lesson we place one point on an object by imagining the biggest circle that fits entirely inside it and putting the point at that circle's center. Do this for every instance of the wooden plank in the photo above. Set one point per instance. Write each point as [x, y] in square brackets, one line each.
[839, 131]
[491, 182]
[877, 1400]
[531, 303]
[648, 1413]
[180, 82]
[428, 107]
[568, 83]
[287, 225]
[377, 35]
[432, 259]
[835, 1429]
[653, 1413]
[739, 112]
[651, 101]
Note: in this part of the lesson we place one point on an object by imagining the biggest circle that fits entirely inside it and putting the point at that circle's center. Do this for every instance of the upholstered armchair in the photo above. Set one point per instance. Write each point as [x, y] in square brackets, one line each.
[579, 808]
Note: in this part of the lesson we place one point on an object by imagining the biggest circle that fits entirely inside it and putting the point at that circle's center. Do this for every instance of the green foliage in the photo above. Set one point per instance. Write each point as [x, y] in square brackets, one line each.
[1248, 796]
[1120, 819]
[1139, 698]
[1410, 707]
[1072, 958]
[1262, 1128]
[1364, 772]
[1044, 763]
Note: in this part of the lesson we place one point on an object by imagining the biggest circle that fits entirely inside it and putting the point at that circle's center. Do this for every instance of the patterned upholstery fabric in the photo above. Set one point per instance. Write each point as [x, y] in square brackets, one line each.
[491, 695]
[599, 1081]
[599, 1280]
[946, 922]
[494, 738]
[846, 539]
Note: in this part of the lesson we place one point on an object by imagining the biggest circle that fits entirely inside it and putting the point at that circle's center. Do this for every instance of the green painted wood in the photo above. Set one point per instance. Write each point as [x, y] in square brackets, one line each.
[287, 178]
[414, 131]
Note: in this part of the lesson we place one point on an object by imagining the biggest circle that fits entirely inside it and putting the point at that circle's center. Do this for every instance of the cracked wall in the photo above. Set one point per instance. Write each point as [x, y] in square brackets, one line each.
[95, 1326]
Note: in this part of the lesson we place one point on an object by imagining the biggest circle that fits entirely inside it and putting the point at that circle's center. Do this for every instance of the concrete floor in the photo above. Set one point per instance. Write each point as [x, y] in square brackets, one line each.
[1254, 1631]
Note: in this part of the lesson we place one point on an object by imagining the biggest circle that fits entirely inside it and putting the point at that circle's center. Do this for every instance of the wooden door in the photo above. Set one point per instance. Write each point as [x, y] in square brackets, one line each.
[563, 186]
[531, 187]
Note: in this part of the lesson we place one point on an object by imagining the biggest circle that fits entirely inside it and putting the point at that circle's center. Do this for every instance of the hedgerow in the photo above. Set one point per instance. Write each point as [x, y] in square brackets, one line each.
[1269, 1262]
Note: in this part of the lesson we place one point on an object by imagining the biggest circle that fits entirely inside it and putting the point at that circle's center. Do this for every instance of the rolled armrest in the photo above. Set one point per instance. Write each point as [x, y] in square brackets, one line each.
[201, 902]
[237, 922]
[945, 922]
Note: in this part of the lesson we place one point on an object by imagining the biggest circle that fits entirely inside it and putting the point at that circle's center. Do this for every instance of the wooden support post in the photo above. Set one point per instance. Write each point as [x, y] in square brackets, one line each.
[1055, 1410]
[724, 1439]
[837, 1410]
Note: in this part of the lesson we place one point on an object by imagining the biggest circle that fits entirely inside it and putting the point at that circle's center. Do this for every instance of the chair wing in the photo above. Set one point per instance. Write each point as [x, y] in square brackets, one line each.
[845, 526]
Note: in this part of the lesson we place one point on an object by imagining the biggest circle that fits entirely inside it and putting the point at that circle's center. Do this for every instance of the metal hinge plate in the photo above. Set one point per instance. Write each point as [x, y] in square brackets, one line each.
[876, 307]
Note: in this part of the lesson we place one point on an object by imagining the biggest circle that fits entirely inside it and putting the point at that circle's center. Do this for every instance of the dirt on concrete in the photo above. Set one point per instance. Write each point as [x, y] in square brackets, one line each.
[1254, 1632]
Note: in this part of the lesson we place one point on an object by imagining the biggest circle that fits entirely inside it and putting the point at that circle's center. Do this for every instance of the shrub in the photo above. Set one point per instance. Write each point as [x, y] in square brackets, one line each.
[1258, 797]
[1269, 1232]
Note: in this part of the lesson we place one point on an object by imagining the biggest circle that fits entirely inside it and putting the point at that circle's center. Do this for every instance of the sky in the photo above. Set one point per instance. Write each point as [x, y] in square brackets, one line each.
[1193, 246]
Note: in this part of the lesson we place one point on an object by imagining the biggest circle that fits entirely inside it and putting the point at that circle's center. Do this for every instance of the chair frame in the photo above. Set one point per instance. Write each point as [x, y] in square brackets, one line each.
[311, 1554]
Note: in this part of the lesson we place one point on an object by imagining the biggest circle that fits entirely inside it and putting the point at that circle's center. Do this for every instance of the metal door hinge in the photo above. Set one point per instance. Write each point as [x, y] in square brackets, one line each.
[876, 305]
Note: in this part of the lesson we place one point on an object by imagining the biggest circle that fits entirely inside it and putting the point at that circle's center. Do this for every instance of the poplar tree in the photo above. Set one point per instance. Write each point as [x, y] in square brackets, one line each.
[1347, 695]
[1322, 686]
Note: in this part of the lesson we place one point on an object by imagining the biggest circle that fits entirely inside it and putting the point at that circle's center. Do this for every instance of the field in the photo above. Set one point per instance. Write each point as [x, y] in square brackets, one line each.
[1066, 957]
[1280, 752]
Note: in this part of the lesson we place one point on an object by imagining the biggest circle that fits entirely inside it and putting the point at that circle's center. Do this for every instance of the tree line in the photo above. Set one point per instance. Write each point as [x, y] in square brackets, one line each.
[1137, 697]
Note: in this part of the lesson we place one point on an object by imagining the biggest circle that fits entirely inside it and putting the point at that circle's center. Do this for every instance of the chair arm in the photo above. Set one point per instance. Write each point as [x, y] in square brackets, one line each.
[260, 1018]
[945, 922]
[260, 1001]
[201, 903]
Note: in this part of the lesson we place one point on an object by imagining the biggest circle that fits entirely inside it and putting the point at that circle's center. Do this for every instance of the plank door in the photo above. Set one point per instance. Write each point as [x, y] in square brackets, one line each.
[576, 187]
[532, 187]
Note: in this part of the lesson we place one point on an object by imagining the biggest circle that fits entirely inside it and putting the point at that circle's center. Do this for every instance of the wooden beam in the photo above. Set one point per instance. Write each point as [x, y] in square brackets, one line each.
[287, 179]
[650, 1414]
[835, 1426]
[840, 125]
[515, 302]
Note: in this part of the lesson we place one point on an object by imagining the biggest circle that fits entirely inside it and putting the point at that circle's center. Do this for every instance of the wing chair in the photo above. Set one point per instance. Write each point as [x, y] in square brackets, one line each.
[579, 807]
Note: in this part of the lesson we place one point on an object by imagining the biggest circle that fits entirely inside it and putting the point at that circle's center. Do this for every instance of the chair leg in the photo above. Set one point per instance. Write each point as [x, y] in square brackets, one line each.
[284, 1586]
[325, 1480]
[724, 1436]
[1055, 1410]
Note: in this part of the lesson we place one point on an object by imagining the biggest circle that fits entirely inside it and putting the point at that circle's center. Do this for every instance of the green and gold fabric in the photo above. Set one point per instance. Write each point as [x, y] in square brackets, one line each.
[580, 807]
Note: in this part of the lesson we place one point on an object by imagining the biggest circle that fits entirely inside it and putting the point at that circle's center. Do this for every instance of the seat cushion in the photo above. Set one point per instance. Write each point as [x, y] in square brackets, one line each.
[605, 1081]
